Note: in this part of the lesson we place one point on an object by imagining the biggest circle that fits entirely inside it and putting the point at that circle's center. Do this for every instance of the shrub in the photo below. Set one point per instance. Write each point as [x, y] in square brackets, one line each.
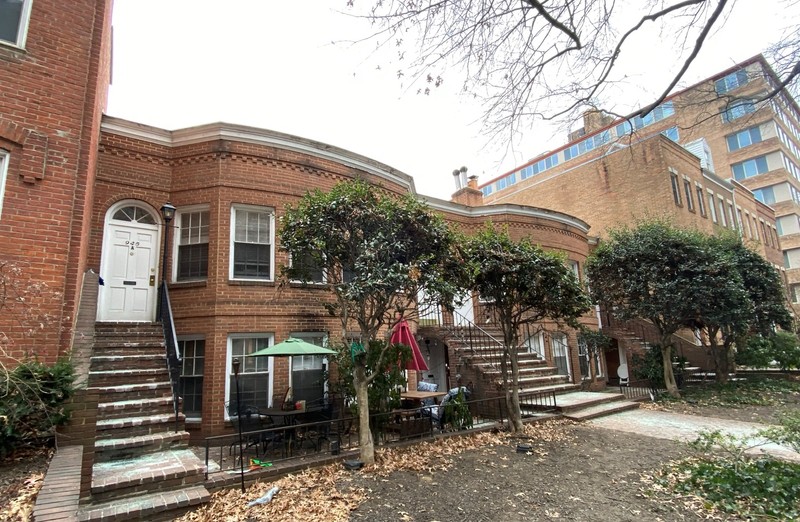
[786, 350]
[649, 366]
[756, 352]
[32, 402]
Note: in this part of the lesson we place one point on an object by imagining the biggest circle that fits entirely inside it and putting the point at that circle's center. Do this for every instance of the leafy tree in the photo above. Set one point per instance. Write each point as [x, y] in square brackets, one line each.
[379, 251]
[786, 350]
[531, 58]
[525, 285]
[740, 293]
[653, 272]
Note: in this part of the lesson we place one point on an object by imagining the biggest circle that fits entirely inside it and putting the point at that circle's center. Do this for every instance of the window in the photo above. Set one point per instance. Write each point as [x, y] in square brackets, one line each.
[134, 214]
[560, 350]
[307, 269]
[3, 170]
[671, 133]
[575, 267]
[191, 381]
[794, 291]
[740, 220]
[664, 110]
[676, 189]
[747, 225]
[732, 217]
[308, 371]
[251, 249]
[255, 384]
[701, 204]
[731, 81]
[14, 15]
[749, 168]
[743, 138]
[192, 245]
[487, 190]
[765, 195]
[712, 207]
[737, 109]
[687, 189]
[755, 229]
[535, 344]
[721, 206]
[787, 225]
[764, 233]
[791, 258]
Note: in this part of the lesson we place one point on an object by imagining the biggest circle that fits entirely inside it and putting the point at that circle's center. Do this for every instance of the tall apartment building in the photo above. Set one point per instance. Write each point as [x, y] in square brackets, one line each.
[719, 154]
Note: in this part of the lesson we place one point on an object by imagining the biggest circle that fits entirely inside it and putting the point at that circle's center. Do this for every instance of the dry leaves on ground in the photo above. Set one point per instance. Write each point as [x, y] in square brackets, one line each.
[313, 495]
[21, 499]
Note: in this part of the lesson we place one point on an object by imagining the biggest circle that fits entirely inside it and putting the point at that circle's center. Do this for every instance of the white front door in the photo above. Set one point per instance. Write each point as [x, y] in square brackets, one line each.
[129, 265]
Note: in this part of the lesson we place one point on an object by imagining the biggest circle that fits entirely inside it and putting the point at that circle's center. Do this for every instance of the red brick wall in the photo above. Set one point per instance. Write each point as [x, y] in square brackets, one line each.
[53, 95]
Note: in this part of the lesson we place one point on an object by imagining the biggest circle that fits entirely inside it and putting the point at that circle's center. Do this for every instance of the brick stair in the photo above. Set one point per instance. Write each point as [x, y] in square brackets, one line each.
[143, 468]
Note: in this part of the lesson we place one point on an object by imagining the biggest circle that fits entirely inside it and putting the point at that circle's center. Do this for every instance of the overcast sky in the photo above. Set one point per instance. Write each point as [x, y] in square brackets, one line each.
[272, 64]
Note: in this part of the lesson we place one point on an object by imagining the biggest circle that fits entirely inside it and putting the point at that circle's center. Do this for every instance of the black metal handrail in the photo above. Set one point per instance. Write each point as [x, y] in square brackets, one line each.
[173, 351]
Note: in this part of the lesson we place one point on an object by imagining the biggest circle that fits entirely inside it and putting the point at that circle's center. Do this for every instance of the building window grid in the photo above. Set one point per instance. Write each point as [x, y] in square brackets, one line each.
[743, 138]
[738, 109]
[661, 112]
[750, 167]
[787, 141]
[732, 81]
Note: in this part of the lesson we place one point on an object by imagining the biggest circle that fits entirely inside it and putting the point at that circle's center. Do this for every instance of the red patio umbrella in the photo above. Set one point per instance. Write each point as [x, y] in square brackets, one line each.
[402, 335]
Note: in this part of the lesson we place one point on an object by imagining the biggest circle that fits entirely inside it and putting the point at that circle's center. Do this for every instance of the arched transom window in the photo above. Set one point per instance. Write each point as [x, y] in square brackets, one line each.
[134, 214]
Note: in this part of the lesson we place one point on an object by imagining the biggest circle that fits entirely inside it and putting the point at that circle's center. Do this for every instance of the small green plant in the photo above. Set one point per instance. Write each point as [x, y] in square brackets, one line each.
[728, 480]
[456, 412]
[32, 402]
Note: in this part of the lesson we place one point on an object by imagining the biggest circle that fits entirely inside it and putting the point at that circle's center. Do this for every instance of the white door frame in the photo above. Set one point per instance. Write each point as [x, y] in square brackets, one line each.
[106, 292]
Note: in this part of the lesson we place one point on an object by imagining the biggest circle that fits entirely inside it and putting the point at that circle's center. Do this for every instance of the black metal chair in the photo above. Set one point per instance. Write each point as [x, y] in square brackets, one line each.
[254, 429]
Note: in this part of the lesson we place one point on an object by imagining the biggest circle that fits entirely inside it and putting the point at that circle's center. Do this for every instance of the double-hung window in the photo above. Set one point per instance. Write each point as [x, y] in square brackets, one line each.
[192, 369]
[14, 15]
[252, 237]
[255, 384]
[306, 268]
[701, 205]
[192, 242]
[687, 189]
[676, 188]
[4, 157]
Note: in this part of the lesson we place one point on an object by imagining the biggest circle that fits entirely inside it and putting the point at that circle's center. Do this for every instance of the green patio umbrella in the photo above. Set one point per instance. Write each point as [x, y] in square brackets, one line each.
[291, 347]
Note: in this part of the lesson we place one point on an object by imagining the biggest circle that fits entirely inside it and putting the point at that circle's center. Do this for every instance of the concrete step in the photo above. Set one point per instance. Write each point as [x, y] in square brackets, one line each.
[135, 407]
[133, 426]
[136, 361]
[126, 392]
[601, 410]
[152, 506]
[577, 400]
[128, 376]
[557, 388]
[161, 471]
[107, 450]
[524, 372]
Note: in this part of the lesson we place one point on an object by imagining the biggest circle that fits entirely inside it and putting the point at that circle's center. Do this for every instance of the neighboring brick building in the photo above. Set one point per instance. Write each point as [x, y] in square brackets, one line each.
[711, 157]
[744, 157]
[54, 73]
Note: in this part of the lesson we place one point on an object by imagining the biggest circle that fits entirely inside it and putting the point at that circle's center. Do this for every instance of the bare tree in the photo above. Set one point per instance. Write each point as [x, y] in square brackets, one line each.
[535, 59]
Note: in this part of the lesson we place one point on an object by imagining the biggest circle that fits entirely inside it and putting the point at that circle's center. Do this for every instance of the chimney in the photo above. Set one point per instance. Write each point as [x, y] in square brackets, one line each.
[463, 171]
[457, 179]
[468, 194]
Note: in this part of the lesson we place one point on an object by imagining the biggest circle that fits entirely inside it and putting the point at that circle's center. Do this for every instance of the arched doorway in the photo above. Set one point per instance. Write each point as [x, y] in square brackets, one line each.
[129, 263]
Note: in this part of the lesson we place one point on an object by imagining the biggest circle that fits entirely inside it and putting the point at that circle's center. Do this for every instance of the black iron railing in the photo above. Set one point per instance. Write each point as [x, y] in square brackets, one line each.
[173, 351]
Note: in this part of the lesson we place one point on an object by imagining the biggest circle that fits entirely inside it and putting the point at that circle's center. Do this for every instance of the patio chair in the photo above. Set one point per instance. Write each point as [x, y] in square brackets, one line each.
[252, 429]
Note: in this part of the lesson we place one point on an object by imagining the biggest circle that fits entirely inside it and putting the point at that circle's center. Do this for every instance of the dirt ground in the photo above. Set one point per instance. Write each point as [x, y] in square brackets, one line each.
[574, 472]
[594, 476]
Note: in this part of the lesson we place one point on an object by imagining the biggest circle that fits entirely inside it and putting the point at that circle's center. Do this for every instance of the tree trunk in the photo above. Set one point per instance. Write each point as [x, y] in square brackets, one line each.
[514, 411]
[721, 362]
[669, 375]
[365, 441]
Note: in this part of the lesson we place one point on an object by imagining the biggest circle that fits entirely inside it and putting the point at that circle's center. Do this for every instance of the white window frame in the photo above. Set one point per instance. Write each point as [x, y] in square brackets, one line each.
[188, 338]
[5, 157]
[230, 395]
[712, 206]
[22, 32]
[180, 214]
[535, 340]
[252, 208]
